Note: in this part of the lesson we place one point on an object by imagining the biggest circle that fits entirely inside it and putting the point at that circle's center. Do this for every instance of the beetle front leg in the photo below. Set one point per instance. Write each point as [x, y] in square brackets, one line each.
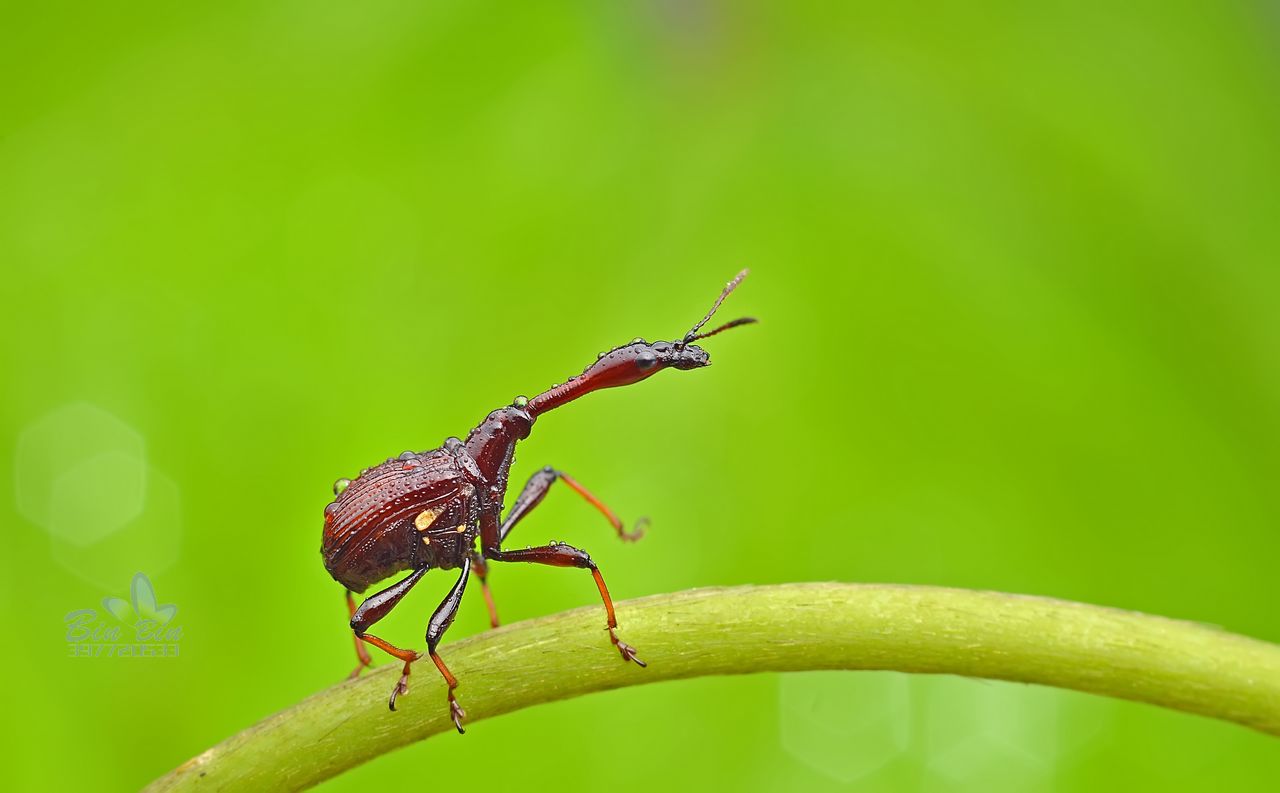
[536, 489]
[440, 622]
[374, 608]
[562, 555]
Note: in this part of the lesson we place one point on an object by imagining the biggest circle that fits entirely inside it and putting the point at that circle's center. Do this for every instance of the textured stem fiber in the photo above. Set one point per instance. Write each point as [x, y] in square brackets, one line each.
[789, 627]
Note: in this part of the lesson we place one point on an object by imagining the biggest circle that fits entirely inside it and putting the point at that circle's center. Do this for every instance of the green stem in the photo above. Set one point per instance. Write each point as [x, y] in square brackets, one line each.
[790, 627]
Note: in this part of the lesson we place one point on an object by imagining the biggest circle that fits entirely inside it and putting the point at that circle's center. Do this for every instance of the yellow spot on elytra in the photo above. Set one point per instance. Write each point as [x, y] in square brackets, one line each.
[425, 518]
[461, 528]
[426, 540]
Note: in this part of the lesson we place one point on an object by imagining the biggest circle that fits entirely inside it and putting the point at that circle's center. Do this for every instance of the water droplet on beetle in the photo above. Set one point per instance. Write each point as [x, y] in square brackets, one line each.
[408, 455]
[340, 485]
[520, 401]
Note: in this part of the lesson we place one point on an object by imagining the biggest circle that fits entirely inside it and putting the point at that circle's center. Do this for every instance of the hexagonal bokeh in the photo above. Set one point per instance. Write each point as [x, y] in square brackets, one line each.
[150, 542]
[999, 736]
[954, 733]
[80, 473]
[845, 725]
[993, 735]
[97, 496]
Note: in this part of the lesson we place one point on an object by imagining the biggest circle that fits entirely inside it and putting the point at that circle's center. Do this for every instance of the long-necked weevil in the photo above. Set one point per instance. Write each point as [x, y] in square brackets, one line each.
[424, 510]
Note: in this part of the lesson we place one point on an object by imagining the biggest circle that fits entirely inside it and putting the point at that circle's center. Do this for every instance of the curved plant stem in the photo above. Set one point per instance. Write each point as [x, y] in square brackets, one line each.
[1181, 665]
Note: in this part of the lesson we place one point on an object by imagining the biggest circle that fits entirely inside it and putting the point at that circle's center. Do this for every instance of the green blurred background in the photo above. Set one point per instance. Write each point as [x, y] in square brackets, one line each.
[1017, 272]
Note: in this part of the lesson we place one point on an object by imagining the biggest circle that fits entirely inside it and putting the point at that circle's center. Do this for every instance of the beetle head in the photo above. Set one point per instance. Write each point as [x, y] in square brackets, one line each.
[640, 359]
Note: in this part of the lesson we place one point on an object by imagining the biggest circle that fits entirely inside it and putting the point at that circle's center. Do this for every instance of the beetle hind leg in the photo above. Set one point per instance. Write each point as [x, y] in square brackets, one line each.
[456, 713]
[482, 572]
[374, 608]
[408, 656]
[362, 655]
[440, 622]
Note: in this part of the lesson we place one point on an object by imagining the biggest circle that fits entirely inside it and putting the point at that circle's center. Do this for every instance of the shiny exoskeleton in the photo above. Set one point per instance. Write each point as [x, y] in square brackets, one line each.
[425, 510]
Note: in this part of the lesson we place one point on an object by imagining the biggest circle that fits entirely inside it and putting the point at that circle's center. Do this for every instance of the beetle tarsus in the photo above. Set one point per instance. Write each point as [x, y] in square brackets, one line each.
[628, 652]
[402, 687]
[637, 531]
[456, 713]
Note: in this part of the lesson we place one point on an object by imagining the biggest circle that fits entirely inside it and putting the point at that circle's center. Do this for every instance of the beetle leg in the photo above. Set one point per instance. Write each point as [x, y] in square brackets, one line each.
[362, 655]
[561, 555]
[440, 622]
[536, 488]
[374, 608]
[482, 572]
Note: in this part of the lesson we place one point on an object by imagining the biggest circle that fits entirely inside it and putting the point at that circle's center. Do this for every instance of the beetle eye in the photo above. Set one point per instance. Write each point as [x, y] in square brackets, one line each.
[646, 361]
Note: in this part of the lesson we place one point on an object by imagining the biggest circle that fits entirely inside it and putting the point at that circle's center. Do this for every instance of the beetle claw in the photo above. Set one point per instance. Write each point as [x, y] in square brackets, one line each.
[456, 713]
[402, 687]
[627, 651]
[637, 531]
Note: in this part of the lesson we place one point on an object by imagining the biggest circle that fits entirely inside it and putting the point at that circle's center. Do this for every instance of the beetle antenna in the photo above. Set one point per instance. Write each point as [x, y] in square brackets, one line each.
[693, 334]
[735, 323]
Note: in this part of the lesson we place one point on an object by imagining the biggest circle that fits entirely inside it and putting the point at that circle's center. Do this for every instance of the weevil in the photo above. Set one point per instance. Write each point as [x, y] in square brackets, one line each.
[425, 510]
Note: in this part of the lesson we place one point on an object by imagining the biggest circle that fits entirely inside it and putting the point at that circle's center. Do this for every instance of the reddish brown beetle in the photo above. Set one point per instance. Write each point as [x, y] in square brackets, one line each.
[424, 510]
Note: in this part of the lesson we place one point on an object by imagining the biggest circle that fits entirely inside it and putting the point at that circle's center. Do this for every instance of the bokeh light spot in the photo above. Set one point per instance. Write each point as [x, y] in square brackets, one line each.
[97, 496]
[845, 725]
[79, 472]
[150, 543]
[991, 735]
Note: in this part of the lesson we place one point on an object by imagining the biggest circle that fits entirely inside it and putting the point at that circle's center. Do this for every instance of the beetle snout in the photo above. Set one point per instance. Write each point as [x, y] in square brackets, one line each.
[689, 357]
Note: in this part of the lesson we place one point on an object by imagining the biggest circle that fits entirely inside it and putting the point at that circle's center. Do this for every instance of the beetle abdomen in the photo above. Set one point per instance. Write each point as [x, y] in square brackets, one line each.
[368, 528]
